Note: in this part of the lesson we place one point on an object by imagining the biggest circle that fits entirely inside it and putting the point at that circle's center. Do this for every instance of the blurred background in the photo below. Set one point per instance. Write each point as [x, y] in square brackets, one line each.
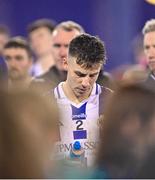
[117, 22]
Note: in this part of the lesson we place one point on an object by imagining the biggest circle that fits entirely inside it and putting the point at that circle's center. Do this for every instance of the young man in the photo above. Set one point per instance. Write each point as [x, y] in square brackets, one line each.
[79, 97]
[149, 49]
[18, 57]
[63, 33]
[40, 36]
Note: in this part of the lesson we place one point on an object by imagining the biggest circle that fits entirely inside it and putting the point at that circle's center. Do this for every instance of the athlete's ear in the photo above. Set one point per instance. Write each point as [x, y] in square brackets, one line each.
[65, 63]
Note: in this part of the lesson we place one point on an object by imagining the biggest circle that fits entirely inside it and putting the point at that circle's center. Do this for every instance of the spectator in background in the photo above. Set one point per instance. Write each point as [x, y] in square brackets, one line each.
[28, 131]
[149, 50]
[18, 57]
[145, 76]
[61, 37]
[40, 36]
[127, 133]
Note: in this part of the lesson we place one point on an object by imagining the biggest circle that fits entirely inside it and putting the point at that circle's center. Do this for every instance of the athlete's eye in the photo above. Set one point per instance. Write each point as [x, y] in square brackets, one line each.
[79, 74]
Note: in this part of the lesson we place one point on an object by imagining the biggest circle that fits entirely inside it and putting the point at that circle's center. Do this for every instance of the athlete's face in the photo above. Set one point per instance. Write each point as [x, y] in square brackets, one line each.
[18, 62]
[81, 80]
[149, 49]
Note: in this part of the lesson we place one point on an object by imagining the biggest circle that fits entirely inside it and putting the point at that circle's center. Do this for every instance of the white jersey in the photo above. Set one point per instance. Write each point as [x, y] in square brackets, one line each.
[79, 122]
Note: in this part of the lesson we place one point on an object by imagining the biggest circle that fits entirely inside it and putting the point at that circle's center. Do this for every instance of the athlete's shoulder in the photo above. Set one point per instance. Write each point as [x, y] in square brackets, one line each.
[58, 93]
[106, 90]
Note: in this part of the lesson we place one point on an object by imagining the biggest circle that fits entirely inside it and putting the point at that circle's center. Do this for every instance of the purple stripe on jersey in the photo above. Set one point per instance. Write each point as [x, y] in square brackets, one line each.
[58, 92]
[80, 134]
[96, 89]
[79, 113]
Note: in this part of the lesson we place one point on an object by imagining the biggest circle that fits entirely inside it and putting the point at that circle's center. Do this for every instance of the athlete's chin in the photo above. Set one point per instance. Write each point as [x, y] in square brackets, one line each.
[81, 91]
[81, 94]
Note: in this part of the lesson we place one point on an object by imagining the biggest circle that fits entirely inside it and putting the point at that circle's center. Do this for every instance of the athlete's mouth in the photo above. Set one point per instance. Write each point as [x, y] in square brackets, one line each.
[82, 90]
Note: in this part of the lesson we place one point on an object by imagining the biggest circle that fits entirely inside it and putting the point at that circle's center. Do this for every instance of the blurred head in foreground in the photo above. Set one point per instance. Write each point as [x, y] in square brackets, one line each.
[28, 130]
[127, 133]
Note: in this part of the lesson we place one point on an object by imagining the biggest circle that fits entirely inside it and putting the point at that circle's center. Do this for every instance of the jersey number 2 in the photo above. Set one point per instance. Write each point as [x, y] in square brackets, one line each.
[79, 124]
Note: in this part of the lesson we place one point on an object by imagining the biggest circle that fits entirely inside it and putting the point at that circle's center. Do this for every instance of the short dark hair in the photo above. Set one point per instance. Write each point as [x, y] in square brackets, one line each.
[19, 42]
[88, 50]
[48, 23]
